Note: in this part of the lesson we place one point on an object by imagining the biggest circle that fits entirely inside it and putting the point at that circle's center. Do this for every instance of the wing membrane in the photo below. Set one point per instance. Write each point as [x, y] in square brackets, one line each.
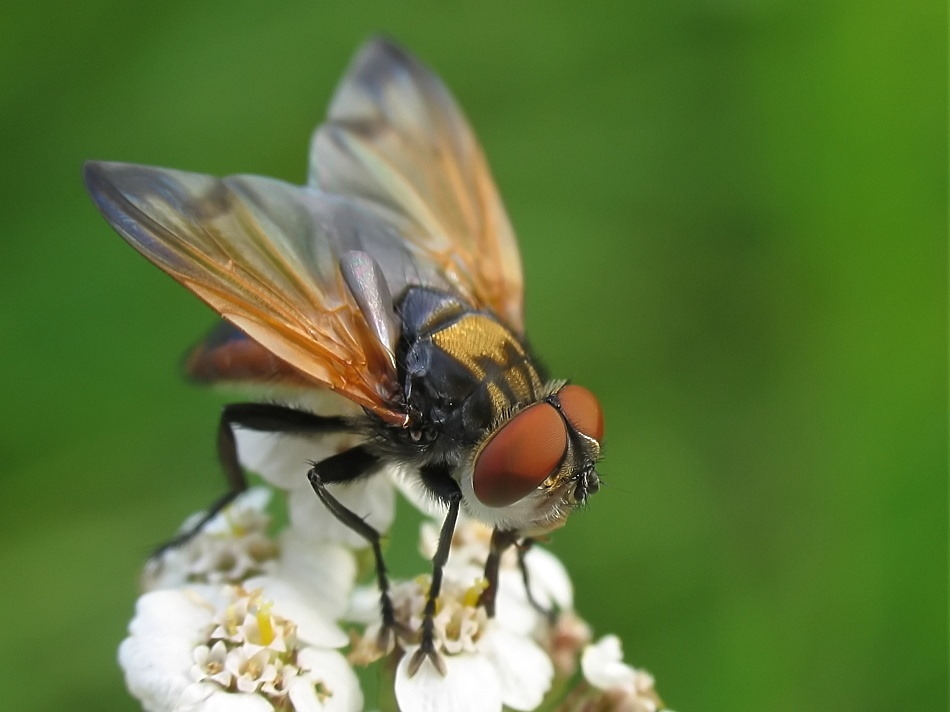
[397, 182]
[396, 138]
[263, 254]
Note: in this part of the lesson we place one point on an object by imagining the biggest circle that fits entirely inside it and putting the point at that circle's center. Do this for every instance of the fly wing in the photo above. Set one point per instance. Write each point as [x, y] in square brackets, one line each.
[396, 139]
[265, 255]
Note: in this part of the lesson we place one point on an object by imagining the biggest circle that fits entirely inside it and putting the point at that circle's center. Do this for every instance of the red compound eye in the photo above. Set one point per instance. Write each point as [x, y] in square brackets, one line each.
[582, 409]
[520, 456]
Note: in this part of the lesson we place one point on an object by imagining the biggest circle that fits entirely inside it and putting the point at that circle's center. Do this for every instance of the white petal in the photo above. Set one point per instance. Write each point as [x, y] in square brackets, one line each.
[463, 573]
[371, 498]
[235, 702]
[525, 669]
[513, 611]
[324, 572]
[364, 605]
[154, 675]
[171, 613]
[603, 666]
[246, 683]
[295, 605]
[332, 669]
[157, 656]
[303, 696]
[283, 460]
[549, 580]
[169, 570]
[194, 696]
[256, 498]
[471, 684]
[280, 459]
[429, 538]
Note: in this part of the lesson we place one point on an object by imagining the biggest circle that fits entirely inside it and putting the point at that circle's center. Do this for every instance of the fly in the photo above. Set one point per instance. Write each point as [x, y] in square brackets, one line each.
[393, 279]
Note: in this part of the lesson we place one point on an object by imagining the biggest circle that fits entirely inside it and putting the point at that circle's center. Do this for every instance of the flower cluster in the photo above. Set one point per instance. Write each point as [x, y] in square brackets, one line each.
[238, 618]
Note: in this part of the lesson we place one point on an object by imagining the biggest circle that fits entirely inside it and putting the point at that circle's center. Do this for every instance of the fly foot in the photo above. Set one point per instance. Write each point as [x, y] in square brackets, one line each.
[390, 633]
[427, 651]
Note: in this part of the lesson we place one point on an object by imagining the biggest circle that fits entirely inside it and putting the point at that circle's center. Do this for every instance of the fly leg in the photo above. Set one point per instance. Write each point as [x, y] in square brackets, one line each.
[549, 613]
[263, 417]
[438, 480]
[347, 466]
[453, 496]
[501, 539]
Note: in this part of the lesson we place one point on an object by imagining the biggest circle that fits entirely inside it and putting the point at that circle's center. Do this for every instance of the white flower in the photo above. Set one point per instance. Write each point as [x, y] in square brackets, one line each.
[234, 548]
[625, 688]
[284, 460]
[209, 648]
[487, 664]
[550, 584]
[230, 547]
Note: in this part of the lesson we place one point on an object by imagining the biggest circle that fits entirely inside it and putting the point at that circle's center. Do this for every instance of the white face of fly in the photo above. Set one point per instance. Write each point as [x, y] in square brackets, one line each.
[541, 511]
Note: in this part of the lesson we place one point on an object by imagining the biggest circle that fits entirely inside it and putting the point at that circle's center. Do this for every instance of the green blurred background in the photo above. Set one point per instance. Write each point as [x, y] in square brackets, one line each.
[733, 221]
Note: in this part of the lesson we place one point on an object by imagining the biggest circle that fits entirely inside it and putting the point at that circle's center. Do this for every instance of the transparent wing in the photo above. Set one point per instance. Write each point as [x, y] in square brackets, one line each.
[265, 255]
[396, 139]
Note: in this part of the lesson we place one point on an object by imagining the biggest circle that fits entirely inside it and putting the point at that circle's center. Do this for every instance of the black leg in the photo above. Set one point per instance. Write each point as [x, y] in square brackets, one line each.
[523, 547]
[263, 417]
[427, 645]
[345, 467]
[501, 539]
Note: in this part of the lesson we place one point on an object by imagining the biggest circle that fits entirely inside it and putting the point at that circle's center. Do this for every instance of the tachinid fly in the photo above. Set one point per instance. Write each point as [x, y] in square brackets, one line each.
[392, 278]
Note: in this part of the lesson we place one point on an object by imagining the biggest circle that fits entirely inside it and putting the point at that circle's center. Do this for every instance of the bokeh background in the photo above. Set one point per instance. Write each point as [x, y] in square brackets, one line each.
[733, 222]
